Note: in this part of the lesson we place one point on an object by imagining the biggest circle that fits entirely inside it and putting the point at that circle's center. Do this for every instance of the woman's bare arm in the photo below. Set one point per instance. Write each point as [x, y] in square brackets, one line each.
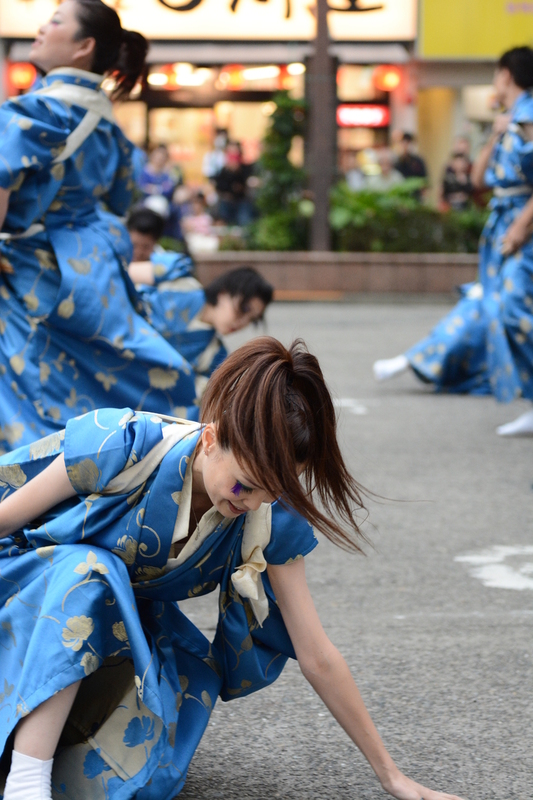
[329, 675]
[481, 163]
[142, 272]
[39, 495]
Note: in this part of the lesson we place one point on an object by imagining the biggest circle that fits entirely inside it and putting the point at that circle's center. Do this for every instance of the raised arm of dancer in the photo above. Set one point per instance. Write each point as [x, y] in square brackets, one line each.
[142, 272]
[4, 202]
[482, 161]
[43, 492]
[327, 672]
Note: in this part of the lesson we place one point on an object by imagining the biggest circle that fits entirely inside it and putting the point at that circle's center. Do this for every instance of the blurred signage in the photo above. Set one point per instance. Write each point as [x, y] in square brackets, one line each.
[362, 115]
[349, 20]
[473, 29]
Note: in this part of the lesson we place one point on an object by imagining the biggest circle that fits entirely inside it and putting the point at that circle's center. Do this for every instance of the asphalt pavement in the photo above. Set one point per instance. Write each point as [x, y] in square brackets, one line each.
[436, 622]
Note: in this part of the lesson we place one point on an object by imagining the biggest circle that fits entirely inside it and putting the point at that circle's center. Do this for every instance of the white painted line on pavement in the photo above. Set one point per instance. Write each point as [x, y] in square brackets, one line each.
[489, 567]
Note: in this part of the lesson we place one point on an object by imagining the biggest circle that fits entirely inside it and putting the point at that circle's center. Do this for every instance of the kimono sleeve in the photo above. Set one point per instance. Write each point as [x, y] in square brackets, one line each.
[171, 266]
[101, 444]
[292, 537]
[118, 198]
[31, 136]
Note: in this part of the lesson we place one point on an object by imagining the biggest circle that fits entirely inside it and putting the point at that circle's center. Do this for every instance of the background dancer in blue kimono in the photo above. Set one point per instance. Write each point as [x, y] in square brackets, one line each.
[108, 524]
[485, 344]
[190, 317]
[70, 338]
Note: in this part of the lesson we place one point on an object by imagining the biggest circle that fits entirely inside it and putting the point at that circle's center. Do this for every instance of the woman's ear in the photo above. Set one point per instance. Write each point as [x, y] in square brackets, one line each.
[86, 48]
[209, 438]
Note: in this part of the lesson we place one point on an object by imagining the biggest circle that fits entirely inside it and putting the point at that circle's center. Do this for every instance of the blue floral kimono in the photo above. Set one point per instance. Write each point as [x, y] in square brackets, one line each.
[172, 305]
[71, 339]
[89, 592]
[488, 340]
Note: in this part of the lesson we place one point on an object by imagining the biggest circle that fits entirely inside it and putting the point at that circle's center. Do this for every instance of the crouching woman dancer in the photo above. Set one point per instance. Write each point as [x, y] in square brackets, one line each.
[106, 525]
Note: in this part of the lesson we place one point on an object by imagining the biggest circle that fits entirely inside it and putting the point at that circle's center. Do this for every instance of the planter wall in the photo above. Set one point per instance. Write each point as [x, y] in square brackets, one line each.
[312, 275]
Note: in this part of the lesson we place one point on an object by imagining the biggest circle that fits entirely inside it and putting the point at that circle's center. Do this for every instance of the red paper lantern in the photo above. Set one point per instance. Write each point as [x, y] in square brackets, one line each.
[387, 78]
[21, 75]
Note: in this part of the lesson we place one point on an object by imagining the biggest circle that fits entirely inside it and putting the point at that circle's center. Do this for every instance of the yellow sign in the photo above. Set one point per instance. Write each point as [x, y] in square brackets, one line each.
[474, 29]
[230, 20]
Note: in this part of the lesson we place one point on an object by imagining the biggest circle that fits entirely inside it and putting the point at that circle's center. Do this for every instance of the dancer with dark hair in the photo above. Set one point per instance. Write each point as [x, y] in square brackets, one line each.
[485, 344]
[110, 523]
[191, 317]
[70, 336]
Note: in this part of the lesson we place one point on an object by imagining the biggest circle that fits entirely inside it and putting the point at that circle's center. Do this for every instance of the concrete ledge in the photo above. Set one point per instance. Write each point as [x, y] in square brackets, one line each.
[332, 276]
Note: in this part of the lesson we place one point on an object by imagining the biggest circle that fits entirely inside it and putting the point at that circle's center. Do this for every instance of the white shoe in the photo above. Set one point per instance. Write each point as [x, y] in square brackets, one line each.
[390, 367]
[521, 426]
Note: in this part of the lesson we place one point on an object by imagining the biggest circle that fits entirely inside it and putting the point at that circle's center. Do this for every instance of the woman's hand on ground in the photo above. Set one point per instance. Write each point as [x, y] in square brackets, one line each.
[403, 788]
[514, 237]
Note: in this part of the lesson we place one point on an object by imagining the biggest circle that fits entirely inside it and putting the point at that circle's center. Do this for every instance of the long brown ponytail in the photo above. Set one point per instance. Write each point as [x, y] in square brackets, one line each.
[274, 412]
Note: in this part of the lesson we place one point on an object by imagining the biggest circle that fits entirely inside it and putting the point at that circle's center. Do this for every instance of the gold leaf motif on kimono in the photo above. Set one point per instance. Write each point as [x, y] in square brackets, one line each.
[77, 631]
[126, 549]
[72, 399]
[525, 325]
[46, 552]
[54, 412]
[44, 371]
[18, 364]
[80, 265]
[106, 380]
[45, 447]
[46, 260]
[58, 171]
[2, 326]
[12, 433]
[4, 294]
[24, 123]
[84, 475]
[90, 663]
[184, 682]
[162, 378]
[66, 308]
[206, 700]
[148, 573]
[28, 162]
[119, 632]
[12, 475]
[176, 497]
[91, 565]
[78, 161]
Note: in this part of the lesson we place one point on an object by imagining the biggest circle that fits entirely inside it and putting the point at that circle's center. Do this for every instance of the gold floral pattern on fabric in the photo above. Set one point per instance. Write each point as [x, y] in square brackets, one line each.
[77, 631]
[84, 476]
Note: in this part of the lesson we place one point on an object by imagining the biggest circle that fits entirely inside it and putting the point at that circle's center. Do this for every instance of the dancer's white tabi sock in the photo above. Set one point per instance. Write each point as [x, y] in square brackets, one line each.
[389, 367]
[521, 426]
[29, 778]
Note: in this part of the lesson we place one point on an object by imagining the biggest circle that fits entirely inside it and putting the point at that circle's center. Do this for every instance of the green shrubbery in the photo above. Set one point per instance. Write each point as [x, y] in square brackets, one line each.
[396, 222]
[393, 221]
[281, 224]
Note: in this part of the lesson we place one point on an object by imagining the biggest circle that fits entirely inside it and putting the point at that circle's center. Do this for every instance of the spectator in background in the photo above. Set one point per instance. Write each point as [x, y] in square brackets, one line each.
[156, 178]
[234, 206]
[197, 227]
[388, 176]
[409, 163]
[215, 159]
[457, 188]
[354, 176]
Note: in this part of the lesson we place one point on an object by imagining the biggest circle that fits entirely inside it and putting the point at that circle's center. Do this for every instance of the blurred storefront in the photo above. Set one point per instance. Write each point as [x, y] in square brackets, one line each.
[216, 64]
[458, 46]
